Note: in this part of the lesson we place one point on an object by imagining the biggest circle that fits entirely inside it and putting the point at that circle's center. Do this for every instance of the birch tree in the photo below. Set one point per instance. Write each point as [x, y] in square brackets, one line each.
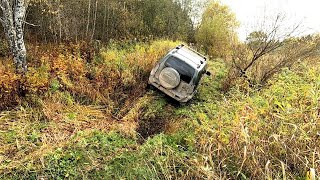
[12, 20]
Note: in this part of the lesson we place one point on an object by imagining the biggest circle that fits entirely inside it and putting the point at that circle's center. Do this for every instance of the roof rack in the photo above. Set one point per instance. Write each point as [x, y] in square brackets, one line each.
[180, 46]
[203, 56]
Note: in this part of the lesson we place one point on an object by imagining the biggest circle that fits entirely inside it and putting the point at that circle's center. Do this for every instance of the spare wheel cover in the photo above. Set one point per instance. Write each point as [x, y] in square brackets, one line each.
[169, 78]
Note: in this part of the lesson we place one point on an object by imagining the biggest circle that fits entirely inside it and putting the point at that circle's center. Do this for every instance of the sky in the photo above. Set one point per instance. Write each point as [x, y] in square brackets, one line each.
[249, 12]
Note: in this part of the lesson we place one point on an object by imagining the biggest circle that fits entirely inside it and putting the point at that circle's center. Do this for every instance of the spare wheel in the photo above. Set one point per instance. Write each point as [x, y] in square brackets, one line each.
[169, 78]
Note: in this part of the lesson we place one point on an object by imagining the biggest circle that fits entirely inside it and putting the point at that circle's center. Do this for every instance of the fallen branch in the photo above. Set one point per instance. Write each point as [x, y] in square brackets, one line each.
[30, 24]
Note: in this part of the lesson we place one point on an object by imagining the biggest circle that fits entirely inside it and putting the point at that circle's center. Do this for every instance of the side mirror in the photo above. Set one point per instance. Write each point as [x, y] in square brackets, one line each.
[208, 73]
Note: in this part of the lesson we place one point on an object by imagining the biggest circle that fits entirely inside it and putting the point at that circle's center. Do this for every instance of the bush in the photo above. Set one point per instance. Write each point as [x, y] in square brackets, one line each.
[216, 32]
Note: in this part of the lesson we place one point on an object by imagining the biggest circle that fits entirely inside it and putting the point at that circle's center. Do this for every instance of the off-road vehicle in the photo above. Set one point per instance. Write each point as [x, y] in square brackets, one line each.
[179, 72]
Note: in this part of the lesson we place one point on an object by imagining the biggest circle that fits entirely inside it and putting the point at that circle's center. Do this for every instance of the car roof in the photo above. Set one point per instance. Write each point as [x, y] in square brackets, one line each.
[191, 57]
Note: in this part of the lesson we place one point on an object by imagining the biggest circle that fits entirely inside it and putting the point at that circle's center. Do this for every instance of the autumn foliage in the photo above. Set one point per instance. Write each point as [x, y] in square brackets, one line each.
[110, 77]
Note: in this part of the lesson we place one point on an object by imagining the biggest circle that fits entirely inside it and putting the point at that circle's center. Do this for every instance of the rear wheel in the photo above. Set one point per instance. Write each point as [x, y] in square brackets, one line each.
[151, 87]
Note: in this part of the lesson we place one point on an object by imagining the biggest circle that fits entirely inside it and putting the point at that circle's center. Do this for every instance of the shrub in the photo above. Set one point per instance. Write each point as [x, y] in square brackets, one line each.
[9, 86]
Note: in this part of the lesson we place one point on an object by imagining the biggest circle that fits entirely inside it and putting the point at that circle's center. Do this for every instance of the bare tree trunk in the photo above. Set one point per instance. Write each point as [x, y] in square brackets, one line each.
[60, 25]
[76, 29]
[94, 21]
[12, 21]
[104, 21]
[7, 22]
[44, 35]
[88, 20]
[20, 12]
[107, 27]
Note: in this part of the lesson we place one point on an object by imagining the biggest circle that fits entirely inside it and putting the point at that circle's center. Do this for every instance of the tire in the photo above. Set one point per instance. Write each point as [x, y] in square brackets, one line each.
[169, 78]
[151, 87]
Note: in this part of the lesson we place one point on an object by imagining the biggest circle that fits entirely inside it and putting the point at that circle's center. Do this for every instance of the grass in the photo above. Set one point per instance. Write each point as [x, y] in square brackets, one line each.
[78, 118]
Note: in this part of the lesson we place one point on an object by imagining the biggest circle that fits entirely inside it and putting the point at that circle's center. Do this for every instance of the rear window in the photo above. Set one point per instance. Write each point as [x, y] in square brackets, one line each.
[185, 70]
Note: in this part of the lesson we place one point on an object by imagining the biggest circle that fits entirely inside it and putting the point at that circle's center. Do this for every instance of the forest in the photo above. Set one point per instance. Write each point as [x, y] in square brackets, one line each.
[74, 102]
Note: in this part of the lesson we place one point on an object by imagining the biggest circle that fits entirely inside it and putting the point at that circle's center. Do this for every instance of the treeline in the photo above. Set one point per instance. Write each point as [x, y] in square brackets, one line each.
[105, 20]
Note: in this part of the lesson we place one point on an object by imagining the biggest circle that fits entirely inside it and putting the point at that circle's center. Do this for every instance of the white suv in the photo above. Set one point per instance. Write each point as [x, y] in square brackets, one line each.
[179, 72]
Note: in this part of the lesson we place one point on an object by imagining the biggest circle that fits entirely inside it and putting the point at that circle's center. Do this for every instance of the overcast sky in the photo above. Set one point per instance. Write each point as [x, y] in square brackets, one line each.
[249, 12]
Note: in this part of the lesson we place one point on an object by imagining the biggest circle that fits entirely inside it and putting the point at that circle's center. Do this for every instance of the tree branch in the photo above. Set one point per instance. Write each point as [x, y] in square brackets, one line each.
[30, 24]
